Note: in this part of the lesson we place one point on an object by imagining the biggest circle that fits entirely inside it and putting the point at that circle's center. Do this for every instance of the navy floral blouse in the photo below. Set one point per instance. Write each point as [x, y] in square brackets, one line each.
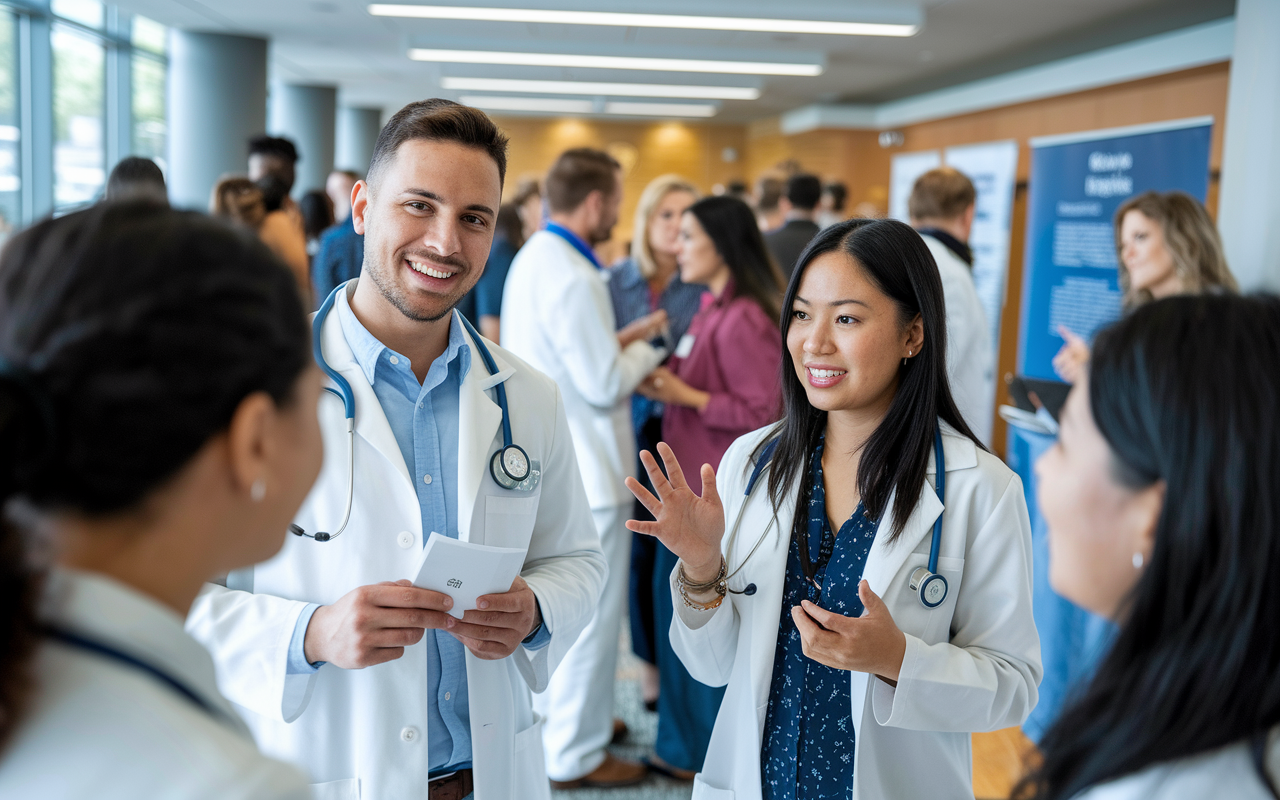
[808, 731]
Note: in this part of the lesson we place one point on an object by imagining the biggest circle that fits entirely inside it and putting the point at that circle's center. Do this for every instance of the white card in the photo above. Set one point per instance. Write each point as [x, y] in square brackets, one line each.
[466, 571]
[685, 347]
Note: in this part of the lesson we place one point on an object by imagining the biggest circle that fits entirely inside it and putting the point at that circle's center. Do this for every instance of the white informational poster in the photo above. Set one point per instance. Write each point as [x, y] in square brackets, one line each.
[903, 171]
[993, 168]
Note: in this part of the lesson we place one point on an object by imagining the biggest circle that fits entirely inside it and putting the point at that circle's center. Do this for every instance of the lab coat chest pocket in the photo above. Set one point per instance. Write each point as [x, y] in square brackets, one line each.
[931, 625]
[508, 521]
[348, 789]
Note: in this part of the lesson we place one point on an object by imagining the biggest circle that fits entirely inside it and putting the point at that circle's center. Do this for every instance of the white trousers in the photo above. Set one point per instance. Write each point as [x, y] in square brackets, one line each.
[578, 702]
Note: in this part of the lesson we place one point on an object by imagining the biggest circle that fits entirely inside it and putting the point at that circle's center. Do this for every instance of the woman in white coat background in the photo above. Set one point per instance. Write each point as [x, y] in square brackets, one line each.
[157, 427]
[840, 681]
[1160, 497]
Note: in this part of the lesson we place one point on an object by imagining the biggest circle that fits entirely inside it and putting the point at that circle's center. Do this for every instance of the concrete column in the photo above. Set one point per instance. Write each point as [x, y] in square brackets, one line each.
[1249, 208]
[358, 129]
[217, 101]
[306, 114]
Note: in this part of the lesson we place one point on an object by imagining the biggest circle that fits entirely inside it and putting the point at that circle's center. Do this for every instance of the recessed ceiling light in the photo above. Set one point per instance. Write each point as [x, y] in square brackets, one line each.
[613, 62]
[610, 18]
[598, 88]
[543, 104]
[661, 109]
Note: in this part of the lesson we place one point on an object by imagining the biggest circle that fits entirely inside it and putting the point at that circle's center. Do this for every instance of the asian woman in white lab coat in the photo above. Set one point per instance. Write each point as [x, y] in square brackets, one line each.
[1160, 498]
[841, 682]
[157, 428]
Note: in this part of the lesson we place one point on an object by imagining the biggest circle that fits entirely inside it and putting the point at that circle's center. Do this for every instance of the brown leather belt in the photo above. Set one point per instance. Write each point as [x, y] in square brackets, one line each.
[451, 787]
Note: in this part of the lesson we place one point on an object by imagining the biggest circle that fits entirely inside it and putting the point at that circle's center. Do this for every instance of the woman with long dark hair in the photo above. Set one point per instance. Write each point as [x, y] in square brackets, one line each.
[720, 384]
[1163, 513]
[157, 428]
[860, 643]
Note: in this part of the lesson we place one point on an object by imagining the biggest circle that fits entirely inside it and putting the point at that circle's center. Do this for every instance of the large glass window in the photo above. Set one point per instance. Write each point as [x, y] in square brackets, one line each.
[148, 101]
[10, 166]
[79, 105]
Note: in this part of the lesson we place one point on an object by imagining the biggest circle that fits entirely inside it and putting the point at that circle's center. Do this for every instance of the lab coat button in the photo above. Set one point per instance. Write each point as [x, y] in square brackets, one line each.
[409, 734]
[405, 539]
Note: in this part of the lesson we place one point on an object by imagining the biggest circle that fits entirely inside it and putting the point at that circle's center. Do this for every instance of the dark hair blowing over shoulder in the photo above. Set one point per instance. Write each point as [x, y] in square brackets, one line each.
[1185, 390]
[734, 231]
[896, 457]
[129, 335]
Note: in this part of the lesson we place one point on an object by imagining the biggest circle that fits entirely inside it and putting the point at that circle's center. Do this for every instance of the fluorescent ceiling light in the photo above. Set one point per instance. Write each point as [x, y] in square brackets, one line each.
[613, 62]
[644, 20]
[597, 88]
[661, 109]
[529, 104]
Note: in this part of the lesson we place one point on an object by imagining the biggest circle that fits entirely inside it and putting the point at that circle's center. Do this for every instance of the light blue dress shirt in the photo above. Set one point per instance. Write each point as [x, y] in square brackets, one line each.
[424, 419]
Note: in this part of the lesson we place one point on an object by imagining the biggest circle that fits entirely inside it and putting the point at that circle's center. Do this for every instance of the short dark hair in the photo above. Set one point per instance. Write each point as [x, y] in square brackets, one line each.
[804, 191]
[576, 174]
[943, 193]
[135, 176]
[439, 120]
[839, 194]
[277, 146]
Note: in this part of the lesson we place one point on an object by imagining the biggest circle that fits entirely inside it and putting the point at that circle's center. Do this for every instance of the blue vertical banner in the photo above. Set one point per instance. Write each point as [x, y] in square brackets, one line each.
[1078, 181]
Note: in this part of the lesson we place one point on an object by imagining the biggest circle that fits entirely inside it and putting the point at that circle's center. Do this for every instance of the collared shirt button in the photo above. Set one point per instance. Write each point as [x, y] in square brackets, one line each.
[395, 360]
[448, 695]
[426, 479]
[409, 734]
[405, 539]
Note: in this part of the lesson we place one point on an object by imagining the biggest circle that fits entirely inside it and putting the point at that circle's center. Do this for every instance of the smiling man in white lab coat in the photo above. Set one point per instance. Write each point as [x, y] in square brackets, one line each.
[367, 683]
[557, 315]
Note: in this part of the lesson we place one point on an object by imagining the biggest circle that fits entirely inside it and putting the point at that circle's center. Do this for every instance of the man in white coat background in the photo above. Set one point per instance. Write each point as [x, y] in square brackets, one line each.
[338, 663]
[556, 314]
[942, 205]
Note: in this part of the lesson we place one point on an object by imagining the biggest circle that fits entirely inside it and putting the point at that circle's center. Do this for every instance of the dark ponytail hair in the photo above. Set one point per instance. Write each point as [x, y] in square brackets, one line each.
[1185, 391]
[896, 457]
[129, 335]
[736, 234]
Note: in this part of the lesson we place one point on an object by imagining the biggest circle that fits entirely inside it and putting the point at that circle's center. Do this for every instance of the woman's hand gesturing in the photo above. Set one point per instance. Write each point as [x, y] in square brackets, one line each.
[689, 526]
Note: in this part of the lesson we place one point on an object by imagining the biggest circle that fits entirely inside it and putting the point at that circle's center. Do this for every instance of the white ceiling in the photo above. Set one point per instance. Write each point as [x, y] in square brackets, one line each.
[337, 42]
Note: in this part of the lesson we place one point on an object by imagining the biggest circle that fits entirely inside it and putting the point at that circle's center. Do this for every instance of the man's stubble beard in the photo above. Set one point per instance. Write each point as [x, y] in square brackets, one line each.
[380, 274]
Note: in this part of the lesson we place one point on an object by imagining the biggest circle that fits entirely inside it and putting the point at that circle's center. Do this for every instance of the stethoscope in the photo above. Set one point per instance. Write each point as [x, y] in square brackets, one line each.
[925, 581]
[509, 466]
[106, 651]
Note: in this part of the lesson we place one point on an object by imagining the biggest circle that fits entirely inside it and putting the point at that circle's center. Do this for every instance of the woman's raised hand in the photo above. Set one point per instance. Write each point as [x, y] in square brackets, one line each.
[689, 526]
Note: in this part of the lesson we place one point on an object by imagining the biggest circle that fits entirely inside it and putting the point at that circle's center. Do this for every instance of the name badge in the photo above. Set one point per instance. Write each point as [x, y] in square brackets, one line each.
[685, 347]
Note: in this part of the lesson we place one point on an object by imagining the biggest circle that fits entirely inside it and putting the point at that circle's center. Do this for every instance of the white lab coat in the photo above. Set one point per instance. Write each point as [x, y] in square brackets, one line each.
[363, 733]
[970, 356]
[556, 314]
[971, 664]
[101, 729]
[1226, 772]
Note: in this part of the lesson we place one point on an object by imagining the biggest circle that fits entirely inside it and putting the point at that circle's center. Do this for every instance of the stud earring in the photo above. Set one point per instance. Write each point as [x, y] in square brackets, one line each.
[1137, 560]
[258, 490]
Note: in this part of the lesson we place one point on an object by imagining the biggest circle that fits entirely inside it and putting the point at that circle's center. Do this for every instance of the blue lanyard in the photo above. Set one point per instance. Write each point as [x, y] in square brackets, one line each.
[106, 651]
[575, 240]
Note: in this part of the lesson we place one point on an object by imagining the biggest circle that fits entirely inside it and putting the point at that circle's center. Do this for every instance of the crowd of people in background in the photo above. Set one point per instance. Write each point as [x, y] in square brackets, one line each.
[743, 312]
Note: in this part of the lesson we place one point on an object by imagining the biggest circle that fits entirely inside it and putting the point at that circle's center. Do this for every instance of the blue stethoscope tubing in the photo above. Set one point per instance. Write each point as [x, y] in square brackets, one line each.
[509, 466]
[929, 585]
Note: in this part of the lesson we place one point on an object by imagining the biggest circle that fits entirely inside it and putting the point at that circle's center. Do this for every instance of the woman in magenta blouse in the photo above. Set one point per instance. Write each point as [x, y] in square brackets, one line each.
[722, 382]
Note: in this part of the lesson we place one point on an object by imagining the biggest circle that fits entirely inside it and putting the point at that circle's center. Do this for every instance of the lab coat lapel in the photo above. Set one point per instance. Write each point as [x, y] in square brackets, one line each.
[478, 421]
[769, 573]
[886, 559]
[371, 421]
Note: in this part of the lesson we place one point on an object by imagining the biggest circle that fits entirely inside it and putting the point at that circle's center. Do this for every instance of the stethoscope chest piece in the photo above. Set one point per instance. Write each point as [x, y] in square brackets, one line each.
[509, 466]
[931, 587]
